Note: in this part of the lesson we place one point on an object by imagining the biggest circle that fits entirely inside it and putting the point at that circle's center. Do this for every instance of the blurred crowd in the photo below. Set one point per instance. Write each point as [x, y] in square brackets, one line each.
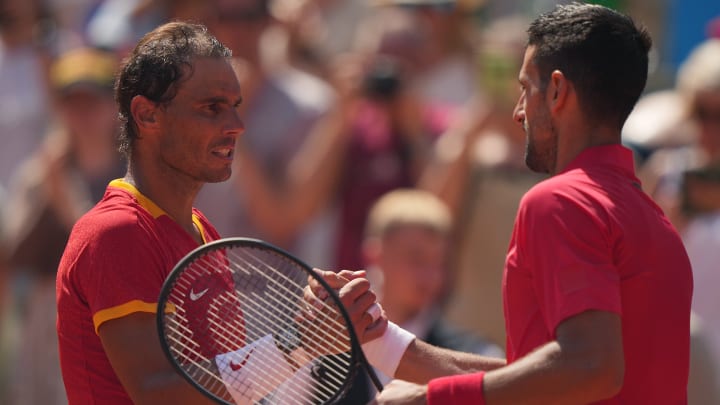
[379, 135]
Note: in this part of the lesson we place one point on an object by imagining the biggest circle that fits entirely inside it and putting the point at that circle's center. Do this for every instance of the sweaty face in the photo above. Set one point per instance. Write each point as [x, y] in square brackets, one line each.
[533, 114]
[202, 124]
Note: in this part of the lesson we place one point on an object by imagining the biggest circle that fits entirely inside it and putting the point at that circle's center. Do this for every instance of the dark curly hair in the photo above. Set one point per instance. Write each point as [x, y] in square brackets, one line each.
[601, 51]
[159, 62]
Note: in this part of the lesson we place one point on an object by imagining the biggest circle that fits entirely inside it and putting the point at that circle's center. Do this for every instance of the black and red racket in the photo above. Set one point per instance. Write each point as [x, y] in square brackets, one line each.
[234, 321]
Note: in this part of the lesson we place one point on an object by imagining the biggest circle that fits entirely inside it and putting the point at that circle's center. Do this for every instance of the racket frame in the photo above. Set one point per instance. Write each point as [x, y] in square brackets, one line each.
[357, 356]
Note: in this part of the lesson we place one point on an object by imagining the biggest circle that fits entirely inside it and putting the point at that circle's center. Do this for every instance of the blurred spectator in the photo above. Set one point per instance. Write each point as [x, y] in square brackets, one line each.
[50, 190]
[658, 121]
[367, 145]
[318, 30]
[406, 248]
[478, 169]
[447, 71]
[702, 241]
[24, 55]
[390, 124]
[703, 385]
[281, 104]
[375, 139]
[24, 116]
[118, 24]
[66, 29]
[698, 95]
[388, 137]
[436, 38]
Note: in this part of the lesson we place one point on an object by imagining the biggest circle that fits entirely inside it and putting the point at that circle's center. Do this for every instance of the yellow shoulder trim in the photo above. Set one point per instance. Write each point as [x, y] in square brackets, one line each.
[126, 309]
[201, 229]
[145, 202]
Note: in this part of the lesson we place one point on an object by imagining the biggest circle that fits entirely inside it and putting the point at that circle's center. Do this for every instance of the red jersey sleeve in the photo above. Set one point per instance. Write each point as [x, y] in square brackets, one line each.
[120, 271]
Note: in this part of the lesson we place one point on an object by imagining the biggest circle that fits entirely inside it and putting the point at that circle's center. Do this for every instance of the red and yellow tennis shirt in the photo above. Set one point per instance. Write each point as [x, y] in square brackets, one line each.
[115, 263]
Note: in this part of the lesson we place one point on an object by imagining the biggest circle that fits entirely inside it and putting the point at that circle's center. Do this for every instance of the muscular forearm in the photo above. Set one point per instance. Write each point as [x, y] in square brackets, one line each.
[584, 364]
[423, 362]
[550, 375]
[168, 388]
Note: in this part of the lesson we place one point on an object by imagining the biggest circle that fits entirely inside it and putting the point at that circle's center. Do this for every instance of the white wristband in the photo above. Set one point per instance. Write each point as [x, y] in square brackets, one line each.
[385, 352]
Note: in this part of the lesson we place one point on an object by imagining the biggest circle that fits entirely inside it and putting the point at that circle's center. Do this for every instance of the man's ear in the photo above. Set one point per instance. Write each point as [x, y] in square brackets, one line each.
[558, 91]
[144, 113]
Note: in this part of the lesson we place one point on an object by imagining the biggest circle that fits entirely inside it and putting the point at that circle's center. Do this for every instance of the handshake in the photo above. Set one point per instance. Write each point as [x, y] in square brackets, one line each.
[337, 328]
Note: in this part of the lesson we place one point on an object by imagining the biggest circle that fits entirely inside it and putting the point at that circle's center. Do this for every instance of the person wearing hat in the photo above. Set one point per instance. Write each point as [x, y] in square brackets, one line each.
[49, 191]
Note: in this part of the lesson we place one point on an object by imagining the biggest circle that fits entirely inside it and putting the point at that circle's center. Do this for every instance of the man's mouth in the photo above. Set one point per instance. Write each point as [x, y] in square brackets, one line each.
[224, 153]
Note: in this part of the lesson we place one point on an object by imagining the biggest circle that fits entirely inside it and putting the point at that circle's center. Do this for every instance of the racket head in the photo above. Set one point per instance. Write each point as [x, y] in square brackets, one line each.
[231, 292]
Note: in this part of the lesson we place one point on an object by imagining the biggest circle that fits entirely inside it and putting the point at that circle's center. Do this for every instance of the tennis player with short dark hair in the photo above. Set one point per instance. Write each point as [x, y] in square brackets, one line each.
[597, 285]
[178, 97]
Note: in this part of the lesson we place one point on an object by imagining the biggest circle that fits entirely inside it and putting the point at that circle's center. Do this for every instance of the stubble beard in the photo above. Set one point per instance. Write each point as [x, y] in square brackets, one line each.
[541, 156]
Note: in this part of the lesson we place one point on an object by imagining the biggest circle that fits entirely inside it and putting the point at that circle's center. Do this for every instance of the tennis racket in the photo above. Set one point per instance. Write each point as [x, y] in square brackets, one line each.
[233, 320]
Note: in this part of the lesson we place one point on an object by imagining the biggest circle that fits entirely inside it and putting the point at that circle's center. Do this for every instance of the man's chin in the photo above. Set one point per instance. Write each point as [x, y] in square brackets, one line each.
[535, 165]
[219, 178]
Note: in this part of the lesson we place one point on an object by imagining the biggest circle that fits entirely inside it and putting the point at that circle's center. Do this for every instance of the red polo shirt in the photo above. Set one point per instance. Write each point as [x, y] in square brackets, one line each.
[115, 263]
[590, 239]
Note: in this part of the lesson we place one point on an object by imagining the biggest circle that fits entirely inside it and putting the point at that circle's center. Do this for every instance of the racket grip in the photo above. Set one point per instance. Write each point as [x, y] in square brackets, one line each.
[385, 352]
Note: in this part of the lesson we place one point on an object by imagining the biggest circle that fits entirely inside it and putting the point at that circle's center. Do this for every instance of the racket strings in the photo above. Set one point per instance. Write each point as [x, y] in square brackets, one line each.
[276, 308]
[327, 309]
[294, 306]
[252, 313]
[187, 350]
[240, 263]
[290, 307]
[216, 384]
[339, 362]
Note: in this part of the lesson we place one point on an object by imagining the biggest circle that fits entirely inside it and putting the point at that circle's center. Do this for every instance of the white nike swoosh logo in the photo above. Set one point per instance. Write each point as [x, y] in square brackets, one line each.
[196, 296]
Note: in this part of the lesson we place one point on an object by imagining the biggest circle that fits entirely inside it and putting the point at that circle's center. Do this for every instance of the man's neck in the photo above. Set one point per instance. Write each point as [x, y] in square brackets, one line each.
[172, 195]
[581, 138]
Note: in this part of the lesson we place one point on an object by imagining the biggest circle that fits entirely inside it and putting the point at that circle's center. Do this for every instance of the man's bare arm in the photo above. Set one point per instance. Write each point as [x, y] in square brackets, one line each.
[133, 348]
[422, 362]
[584, 364]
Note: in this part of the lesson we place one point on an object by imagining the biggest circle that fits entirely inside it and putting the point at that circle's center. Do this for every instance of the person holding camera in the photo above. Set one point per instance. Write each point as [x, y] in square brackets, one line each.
[376, 138]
